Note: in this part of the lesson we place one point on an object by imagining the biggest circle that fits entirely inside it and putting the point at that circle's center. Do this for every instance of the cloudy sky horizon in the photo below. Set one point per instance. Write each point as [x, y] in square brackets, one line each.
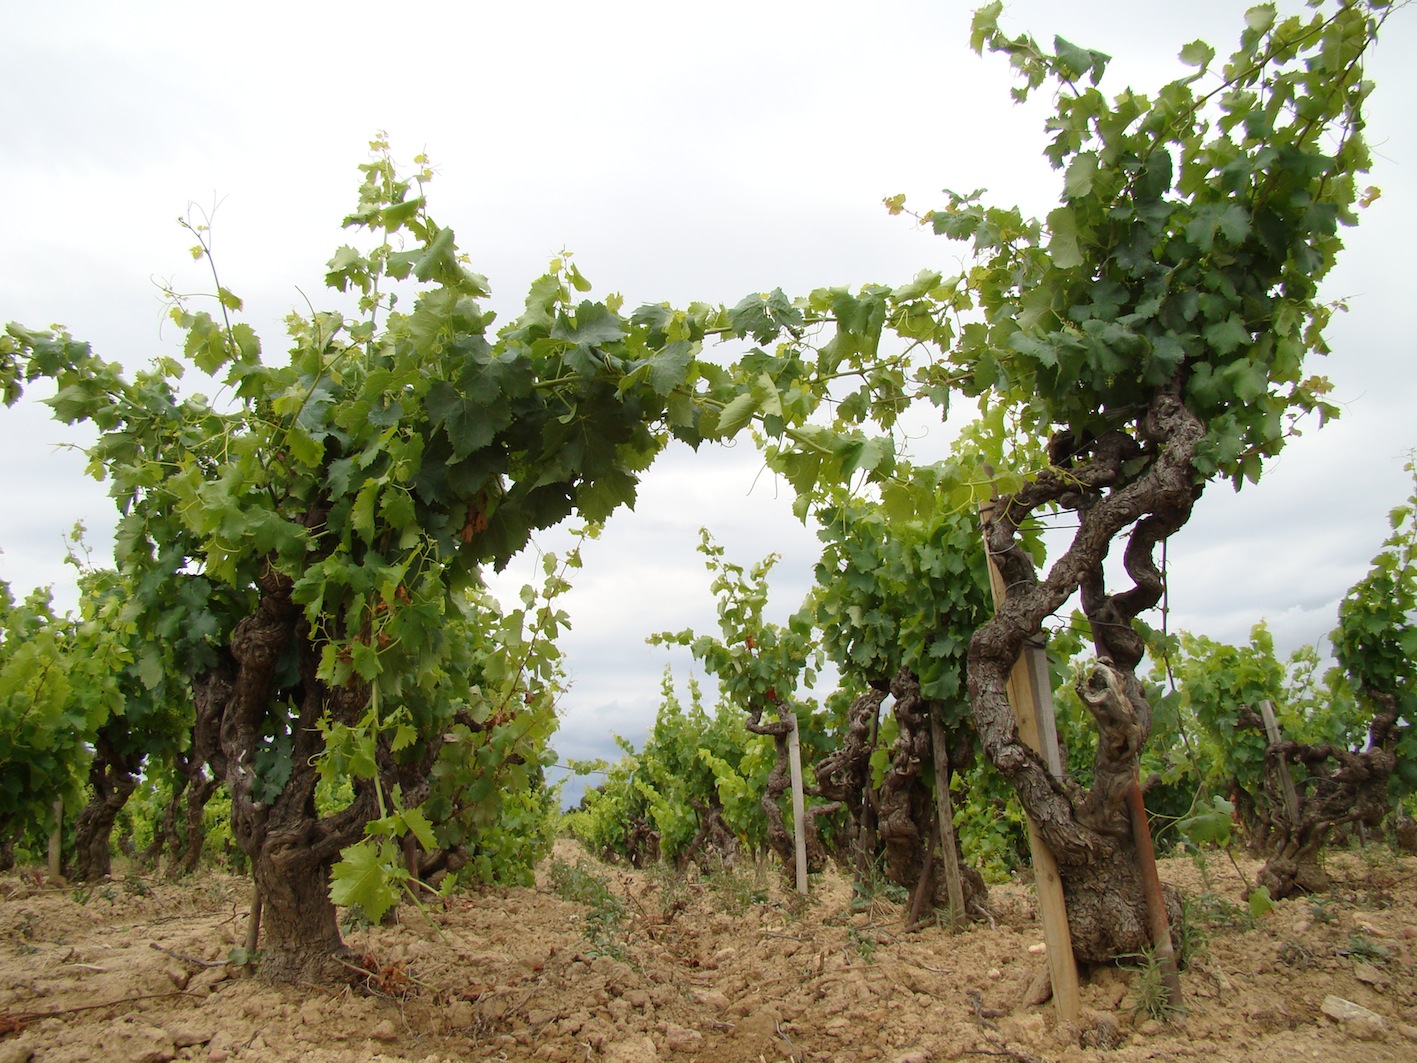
[680, 154]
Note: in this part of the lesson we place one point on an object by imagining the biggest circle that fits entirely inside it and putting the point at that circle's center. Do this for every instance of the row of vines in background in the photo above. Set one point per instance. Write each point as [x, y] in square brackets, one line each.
[694, 791]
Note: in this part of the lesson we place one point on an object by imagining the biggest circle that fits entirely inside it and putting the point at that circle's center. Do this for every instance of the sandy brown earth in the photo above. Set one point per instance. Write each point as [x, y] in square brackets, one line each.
[726, 968]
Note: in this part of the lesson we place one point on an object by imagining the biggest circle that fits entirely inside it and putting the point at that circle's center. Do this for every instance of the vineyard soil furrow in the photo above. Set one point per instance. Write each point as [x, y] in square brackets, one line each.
[515, 975]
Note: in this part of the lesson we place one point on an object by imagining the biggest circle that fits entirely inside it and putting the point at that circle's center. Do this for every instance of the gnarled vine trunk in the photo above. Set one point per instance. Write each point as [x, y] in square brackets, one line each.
[907, 806]
[1149, 484]
[844, 775]
[113, 775]
[200, 789]
[1337, 786]
[268, 682]
[272, 663]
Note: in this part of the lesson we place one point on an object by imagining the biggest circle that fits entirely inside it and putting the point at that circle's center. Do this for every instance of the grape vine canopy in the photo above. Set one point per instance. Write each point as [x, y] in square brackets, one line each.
[1148, 337]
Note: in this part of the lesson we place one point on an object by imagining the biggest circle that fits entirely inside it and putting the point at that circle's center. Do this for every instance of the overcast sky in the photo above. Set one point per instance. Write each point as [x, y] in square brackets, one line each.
[682, 152]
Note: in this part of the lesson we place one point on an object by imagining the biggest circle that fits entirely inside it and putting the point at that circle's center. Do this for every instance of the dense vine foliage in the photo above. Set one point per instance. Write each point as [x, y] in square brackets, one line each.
[344, 501]
[52, 702]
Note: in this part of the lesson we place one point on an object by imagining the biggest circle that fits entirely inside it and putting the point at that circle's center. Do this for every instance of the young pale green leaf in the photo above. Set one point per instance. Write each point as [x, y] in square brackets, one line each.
[1260, 902]
[440, 260]
[1197, 53]
[1207, 828]
[1063, 238]
[365, 876]
[1081, 173]
[419, 826]
[736, 415]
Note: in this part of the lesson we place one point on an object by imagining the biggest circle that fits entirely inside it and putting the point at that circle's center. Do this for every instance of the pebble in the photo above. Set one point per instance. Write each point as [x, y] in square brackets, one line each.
[177, 975]
[1369, 975]
[185, 1037]
[1355, 1020]
[710, 998]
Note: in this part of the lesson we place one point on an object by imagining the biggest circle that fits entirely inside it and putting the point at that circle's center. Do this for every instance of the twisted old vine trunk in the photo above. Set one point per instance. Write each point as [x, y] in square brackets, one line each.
[273, 661]
[907, 806]
[291, 850]
[113, 777]
[844, 775]
[1089, 830]
[1339, 786]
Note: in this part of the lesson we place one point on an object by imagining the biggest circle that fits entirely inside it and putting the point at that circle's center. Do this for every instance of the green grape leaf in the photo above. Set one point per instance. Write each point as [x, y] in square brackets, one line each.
[364, 875]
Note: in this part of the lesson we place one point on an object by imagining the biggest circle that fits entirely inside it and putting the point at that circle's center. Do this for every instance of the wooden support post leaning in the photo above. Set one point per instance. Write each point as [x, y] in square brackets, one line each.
[1159, 924]
[866, 836]
[944, 820]
[799, 801]
[1031, 695]
[1286, 782]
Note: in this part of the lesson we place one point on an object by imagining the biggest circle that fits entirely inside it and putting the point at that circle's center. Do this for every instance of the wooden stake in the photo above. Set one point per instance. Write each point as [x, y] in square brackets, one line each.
[944, 819]
[1159, 924]
[799, 801]
[917, 900]
[1286, 781]
[866, 836]
[1031, 695]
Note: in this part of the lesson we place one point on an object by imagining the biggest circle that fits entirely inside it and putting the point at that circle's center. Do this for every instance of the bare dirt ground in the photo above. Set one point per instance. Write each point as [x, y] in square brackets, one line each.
[728, 969]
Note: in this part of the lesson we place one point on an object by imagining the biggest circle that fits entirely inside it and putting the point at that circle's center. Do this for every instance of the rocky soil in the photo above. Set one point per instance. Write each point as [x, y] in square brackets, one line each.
[641, 966]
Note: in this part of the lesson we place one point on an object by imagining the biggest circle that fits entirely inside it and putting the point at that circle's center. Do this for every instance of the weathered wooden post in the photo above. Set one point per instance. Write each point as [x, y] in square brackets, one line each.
[799, 801]
[1286, 781]
[944, 818]
[1031, 695]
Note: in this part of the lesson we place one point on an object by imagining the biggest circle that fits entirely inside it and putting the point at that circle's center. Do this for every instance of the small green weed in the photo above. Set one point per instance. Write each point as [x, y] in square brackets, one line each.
[354, 918]
[861, 942]
[873, 886]
[605, 919]
[1149, 996]
[1361, 950]
[672, 886]
[1192, 937]
[1214, 912]
[740, 887]
[1320, 908]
